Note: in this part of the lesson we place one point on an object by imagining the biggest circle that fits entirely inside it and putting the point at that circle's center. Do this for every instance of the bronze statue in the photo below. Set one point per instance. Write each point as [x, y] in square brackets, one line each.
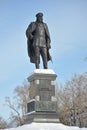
[38, 41]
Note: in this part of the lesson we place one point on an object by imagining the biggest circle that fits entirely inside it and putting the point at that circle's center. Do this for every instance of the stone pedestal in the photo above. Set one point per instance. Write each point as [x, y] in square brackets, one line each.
[42, 106]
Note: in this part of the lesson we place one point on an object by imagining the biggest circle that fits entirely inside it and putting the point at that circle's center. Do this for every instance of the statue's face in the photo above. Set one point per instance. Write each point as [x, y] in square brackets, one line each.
[40, 19]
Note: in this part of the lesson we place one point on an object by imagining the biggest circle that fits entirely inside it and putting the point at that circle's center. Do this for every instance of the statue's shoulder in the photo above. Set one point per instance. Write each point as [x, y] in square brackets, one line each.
[31, 24]
[45, 25]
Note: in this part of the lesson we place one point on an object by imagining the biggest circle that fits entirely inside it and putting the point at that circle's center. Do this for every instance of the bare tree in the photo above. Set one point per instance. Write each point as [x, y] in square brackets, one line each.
[13, 106]
[73, 100]
[22, 96]
[3, 123]
[19, 102]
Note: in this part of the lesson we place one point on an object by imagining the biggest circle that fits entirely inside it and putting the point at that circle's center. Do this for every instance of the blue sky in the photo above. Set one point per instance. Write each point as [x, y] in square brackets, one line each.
[67, 23]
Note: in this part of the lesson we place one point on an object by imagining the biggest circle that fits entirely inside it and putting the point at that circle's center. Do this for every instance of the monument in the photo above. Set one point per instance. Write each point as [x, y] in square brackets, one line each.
[42, 106]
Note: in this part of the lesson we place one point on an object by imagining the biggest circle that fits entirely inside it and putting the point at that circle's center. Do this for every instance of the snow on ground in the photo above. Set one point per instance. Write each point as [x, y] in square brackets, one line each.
[46, 126]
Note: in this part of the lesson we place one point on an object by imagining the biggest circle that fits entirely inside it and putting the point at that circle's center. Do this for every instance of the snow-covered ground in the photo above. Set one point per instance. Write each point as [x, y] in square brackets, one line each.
[46, 126]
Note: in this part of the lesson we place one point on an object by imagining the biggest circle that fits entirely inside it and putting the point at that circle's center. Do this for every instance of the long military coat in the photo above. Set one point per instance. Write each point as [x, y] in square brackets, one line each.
[30, 31]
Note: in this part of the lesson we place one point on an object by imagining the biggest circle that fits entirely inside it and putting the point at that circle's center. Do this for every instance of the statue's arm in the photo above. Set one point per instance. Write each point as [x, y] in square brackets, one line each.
[48, 39]
[29, 30]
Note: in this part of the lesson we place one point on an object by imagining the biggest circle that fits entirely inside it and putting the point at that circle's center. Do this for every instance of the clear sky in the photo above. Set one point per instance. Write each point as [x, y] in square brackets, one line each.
[67, 23]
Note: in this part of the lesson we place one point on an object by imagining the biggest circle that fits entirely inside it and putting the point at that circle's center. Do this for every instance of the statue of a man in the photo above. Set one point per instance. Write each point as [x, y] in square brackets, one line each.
[38, 41]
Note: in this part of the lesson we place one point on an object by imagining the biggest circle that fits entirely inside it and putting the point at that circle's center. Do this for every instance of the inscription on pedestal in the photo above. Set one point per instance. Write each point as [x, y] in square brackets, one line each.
[41, 106]
[45, 106]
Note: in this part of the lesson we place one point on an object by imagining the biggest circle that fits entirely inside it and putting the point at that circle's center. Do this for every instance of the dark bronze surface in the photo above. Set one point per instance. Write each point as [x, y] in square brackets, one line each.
[38, 41]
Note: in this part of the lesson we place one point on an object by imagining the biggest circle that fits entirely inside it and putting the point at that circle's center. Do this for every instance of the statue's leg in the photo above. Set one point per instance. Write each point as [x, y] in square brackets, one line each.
[37, 54]
[44, 57]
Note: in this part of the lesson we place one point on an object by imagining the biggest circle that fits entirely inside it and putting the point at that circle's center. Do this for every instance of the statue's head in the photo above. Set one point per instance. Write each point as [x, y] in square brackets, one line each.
[39, 17]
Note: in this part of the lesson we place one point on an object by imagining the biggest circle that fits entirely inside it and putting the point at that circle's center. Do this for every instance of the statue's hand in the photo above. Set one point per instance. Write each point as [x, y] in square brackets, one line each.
[48, 46]
[31, 36]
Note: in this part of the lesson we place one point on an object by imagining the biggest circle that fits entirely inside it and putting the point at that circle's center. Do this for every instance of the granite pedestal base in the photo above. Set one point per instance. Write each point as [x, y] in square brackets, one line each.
[42, 106]
[45, 117]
